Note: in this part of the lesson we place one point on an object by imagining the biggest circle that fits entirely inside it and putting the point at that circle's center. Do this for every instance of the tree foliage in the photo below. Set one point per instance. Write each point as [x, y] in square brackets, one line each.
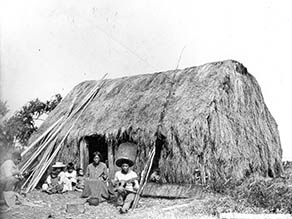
[21, 125]
[5, 139]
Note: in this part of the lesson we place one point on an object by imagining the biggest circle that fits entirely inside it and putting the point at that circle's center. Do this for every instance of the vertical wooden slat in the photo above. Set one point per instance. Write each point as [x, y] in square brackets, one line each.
[84, 154]
[203, 174]
[111, 159]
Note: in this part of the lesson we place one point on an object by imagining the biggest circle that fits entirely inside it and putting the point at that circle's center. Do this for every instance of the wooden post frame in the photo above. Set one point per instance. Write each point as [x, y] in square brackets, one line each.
[84, 154]
[111, 165]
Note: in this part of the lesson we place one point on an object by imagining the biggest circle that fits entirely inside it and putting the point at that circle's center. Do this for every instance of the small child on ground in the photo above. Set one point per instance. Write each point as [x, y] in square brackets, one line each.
[56, 182]
[80, 180]
[53, 184]
[71, 175]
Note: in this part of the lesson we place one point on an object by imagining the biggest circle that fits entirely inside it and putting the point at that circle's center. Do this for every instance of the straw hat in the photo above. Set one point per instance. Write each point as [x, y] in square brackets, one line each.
[58, 165]
[122, 160]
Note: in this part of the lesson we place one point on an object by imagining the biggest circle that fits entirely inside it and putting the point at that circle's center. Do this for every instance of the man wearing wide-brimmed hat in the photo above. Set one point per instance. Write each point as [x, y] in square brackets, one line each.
[127, 181]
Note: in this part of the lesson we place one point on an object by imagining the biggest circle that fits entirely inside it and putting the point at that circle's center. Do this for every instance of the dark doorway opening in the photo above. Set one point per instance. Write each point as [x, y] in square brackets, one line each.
[160, 142]
[97, 143]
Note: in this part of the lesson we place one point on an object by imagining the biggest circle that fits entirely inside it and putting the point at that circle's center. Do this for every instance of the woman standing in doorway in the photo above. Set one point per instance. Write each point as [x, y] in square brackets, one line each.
[96, 176]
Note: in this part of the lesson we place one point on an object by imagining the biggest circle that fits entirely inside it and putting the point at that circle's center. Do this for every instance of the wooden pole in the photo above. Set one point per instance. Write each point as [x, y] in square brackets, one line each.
[41, 137]
[44, 168]
[37, 176]
[41, 148]
[111, 158]
[145, 174]
[82, 147]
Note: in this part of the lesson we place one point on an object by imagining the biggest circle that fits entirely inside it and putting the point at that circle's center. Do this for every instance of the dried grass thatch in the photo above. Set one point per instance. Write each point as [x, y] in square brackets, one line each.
[212, 117]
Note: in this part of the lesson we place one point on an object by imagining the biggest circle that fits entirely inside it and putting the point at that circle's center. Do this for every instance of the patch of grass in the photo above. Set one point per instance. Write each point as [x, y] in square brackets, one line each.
[273, 195]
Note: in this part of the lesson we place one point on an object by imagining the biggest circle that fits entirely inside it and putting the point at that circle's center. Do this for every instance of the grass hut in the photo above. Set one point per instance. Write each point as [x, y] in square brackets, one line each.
[210, 118]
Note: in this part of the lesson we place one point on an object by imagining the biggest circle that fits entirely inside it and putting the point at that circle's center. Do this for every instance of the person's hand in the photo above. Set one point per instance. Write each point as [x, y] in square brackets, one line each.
[122, 183]
[121, 189]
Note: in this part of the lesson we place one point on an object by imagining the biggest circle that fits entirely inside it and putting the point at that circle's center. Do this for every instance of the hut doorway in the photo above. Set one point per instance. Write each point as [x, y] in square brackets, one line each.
[89, 145]
[160, 141]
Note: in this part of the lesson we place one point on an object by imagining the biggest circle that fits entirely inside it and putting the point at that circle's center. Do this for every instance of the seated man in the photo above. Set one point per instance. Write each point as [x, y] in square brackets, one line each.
[10, 178]
[127, 184]
[9, 173]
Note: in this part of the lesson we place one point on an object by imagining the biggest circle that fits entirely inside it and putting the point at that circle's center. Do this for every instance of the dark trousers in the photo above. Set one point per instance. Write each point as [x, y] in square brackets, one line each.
[125, 199]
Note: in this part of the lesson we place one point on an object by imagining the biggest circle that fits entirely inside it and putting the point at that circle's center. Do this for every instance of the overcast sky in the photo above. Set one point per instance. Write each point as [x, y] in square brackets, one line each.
[49, 46]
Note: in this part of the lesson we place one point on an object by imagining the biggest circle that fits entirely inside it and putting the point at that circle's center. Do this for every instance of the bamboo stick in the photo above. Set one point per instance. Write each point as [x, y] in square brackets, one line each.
[40, 149]
[37, 175]
[41, 137]
[70, 115]
[44, 159]
[89, 95]
[72, 105]
[41, 162]
[149, 169]
[36, 180]
[49, 161]
[146, 170]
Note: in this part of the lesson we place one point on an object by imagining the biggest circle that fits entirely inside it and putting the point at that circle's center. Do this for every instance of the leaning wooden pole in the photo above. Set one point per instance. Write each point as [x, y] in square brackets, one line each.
[47, 158]
[41, 137]
[144, 177]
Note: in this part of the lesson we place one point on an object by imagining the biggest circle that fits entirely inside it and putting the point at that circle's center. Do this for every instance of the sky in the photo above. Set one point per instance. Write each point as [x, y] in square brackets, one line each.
[49, 46]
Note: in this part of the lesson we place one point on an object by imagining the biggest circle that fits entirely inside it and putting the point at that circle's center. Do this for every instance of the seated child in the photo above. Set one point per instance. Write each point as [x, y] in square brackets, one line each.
[80, 180]
[155, 176]
[71, 175]
[56, 182]
[53, 184]
[127, 181]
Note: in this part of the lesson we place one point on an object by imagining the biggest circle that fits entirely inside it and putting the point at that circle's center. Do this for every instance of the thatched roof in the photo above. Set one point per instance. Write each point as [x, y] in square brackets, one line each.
[212, 117]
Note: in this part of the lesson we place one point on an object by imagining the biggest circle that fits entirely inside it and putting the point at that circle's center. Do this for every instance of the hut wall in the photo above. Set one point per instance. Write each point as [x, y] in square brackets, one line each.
[225, 129]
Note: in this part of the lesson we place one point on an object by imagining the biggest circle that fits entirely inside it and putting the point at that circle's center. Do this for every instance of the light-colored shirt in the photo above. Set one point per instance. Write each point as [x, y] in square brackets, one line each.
[61, 179]
[72, 176]
[95, 172]
[51, 181]
[8, 169]
[120, 177]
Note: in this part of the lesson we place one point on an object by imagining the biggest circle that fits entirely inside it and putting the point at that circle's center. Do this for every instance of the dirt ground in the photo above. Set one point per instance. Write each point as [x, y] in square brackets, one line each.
[207, 206]
[44, 206]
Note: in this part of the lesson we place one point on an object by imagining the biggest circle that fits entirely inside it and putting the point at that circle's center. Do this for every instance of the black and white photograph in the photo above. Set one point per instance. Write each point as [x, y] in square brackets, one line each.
[145, 109]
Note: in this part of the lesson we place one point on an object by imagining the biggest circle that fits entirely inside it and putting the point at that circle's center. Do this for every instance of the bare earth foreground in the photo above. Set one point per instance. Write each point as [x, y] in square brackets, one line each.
[54, 206]
[44, 206]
